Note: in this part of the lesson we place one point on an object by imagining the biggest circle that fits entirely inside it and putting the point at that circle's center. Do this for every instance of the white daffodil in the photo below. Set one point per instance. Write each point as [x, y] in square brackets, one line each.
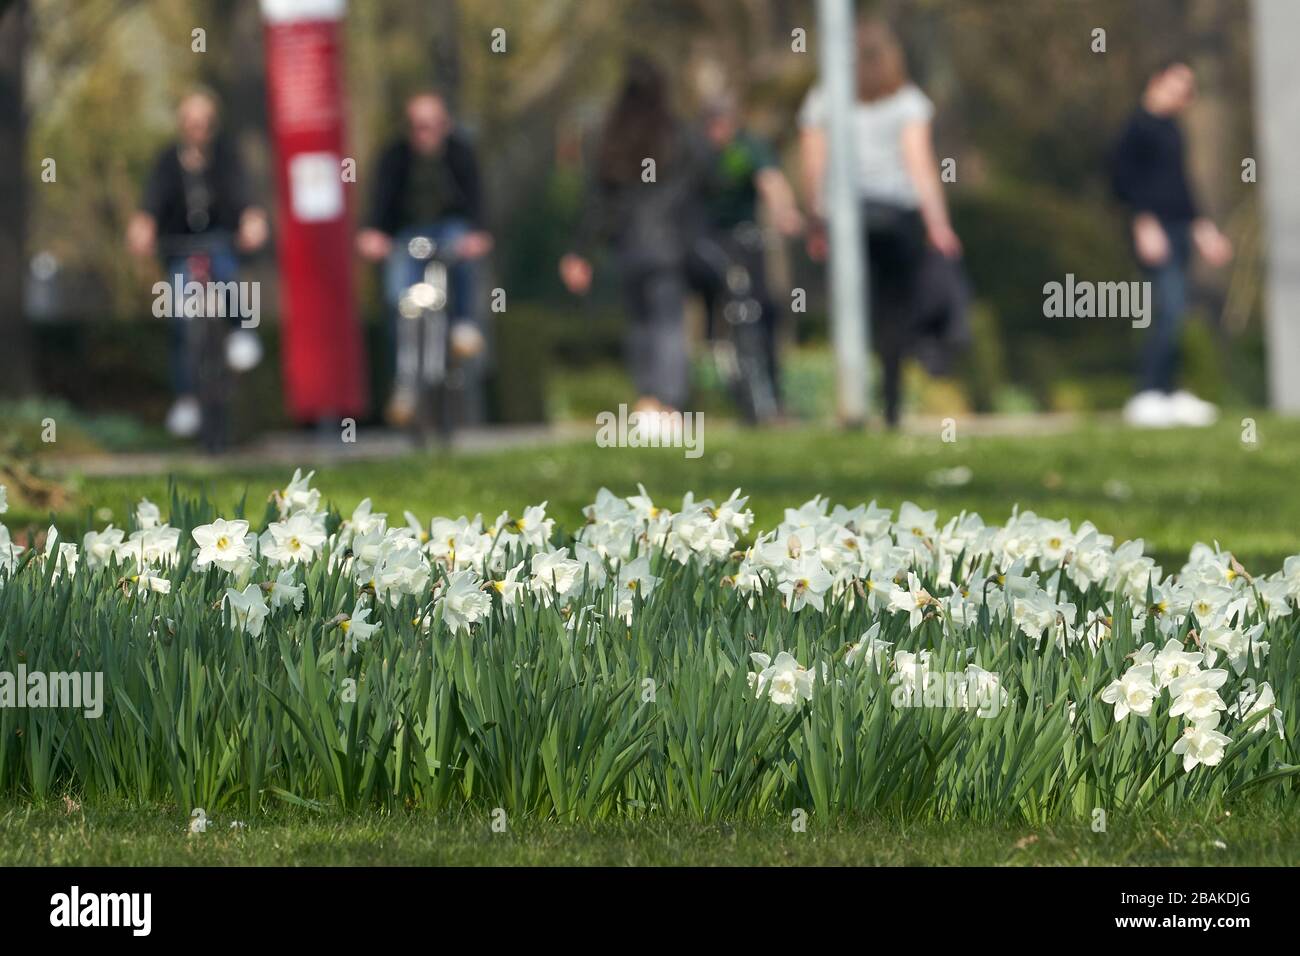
[555, 575]
[593, 565]
[1175, 661]
[221, 544]
[147, 515]
[364, 519]
[9, 552]
[1201, 743]
[156, 545]
[100, 547]
[870, 646]
[248, 609]
[1272, 599]
[511, 589]
[1239, 646]
[297, 539]
[804, 583]
[783, 680]
[1134, 693]
[734, 515]
[65, 555]
[402, 569]
[146, 582]
[911, 669]
[634, 578]
[1197, 695]
[463, 601]
[532, 529]
[913, 601]
[358, 627]
[298, 495]
[1251, 702]
[285, 591]
[914, 525]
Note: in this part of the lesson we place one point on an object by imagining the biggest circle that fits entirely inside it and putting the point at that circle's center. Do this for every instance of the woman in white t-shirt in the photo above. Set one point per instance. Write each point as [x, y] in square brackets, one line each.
[898, 184]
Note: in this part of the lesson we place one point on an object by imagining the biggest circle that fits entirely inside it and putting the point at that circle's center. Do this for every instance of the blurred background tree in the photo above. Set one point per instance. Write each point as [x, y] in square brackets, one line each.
[1026, 108]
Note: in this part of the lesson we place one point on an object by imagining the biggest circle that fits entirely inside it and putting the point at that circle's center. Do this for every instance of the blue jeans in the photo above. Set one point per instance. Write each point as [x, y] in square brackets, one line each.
[223, 267]
[401, 271]
[1159, 358]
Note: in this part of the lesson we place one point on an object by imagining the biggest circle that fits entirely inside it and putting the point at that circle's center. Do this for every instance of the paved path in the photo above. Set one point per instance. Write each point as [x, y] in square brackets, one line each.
[303, 448]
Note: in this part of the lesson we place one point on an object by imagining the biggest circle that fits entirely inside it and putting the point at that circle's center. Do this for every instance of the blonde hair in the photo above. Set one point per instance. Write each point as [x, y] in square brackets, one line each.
[882, 67]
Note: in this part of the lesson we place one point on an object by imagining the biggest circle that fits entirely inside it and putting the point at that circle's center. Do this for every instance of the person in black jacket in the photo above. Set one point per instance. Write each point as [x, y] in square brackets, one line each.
[642, 202]
[197, 197]
[427, 184]
[1150, 179]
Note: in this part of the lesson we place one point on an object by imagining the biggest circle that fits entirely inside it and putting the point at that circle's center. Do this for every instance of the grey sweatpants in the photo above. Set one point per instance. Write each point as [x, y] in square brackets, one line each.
[656, 342]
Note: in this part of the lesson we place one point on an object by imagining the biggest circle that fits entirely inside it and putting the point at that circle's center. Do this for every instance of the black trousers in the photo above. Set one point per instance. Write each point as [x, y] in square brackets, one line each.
[895, 250]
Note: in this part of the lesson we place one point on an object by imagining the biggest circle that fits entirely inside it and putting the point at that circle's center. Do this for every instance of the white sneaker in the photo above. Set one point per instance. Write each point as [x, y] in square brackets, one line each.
[243, 350]
[184, 417]
[1192, 411]
[1150, 409]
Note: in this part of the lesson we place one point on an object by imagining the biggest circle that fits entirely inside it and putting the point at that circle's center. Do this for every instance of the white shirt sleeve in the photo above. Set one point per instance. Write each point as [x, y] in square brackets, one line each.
[813, 111]
[917, 107]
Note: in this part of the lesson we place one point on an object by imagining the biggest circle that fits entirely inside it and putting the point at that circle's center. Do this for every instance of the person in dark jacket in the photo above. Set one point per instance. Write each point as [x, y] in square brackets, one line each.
[1150, 178]
[650, 168]
[427, 184]
[743, 175]
[197, 197]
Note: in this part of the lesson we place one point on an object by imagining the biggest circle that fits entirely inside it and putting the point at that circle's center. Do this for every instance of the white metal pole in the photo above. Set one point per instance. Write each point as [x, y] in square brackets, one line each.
[848, 278]
[1277, 120]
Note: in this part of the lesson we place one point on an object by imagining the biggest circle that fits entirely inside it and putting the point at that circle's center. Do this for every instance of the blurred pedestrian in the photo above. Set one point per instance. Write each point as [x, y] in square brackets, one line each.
[649, 169]
[1150, 179]
[197, 198]
[743, 172]
[427, 184]
[898, 185]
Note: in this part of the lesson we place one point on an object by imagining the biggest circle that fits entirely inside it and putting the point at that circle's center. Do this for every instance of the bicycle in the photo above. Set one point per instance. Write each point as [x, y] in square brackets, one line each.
[741, 354]
[429, 381]
[206, 335]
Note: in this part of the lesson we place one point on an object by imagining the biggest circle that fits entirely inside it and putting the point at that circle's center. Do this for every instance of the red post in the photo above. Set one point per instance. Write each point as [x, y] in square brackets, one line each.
[322, 348]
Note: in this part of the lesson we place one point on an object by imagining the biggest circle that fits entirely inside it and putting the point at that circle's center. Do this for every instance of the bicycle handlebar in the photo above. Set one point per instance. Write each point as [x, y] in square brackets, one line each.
[216, 240]
[426, 250]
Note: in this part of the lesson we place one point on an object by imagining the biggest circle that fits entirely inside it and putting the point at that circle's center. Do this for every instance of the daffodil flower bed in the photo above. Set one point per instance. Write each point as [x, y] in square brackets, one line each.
[649, 662]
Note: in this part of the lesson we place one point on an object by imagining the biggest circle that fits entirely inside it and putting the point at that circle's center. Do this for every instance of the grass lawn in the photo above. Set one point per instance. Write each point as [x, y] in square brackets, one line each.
[58, 837]
[1172, 488]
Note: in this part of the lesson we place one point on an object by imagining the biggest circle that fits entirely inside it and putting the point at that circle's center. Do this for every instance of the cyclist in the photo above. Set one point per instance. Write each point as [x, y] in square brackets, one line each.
[743, 171]
[197, 194]
[427, 184]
